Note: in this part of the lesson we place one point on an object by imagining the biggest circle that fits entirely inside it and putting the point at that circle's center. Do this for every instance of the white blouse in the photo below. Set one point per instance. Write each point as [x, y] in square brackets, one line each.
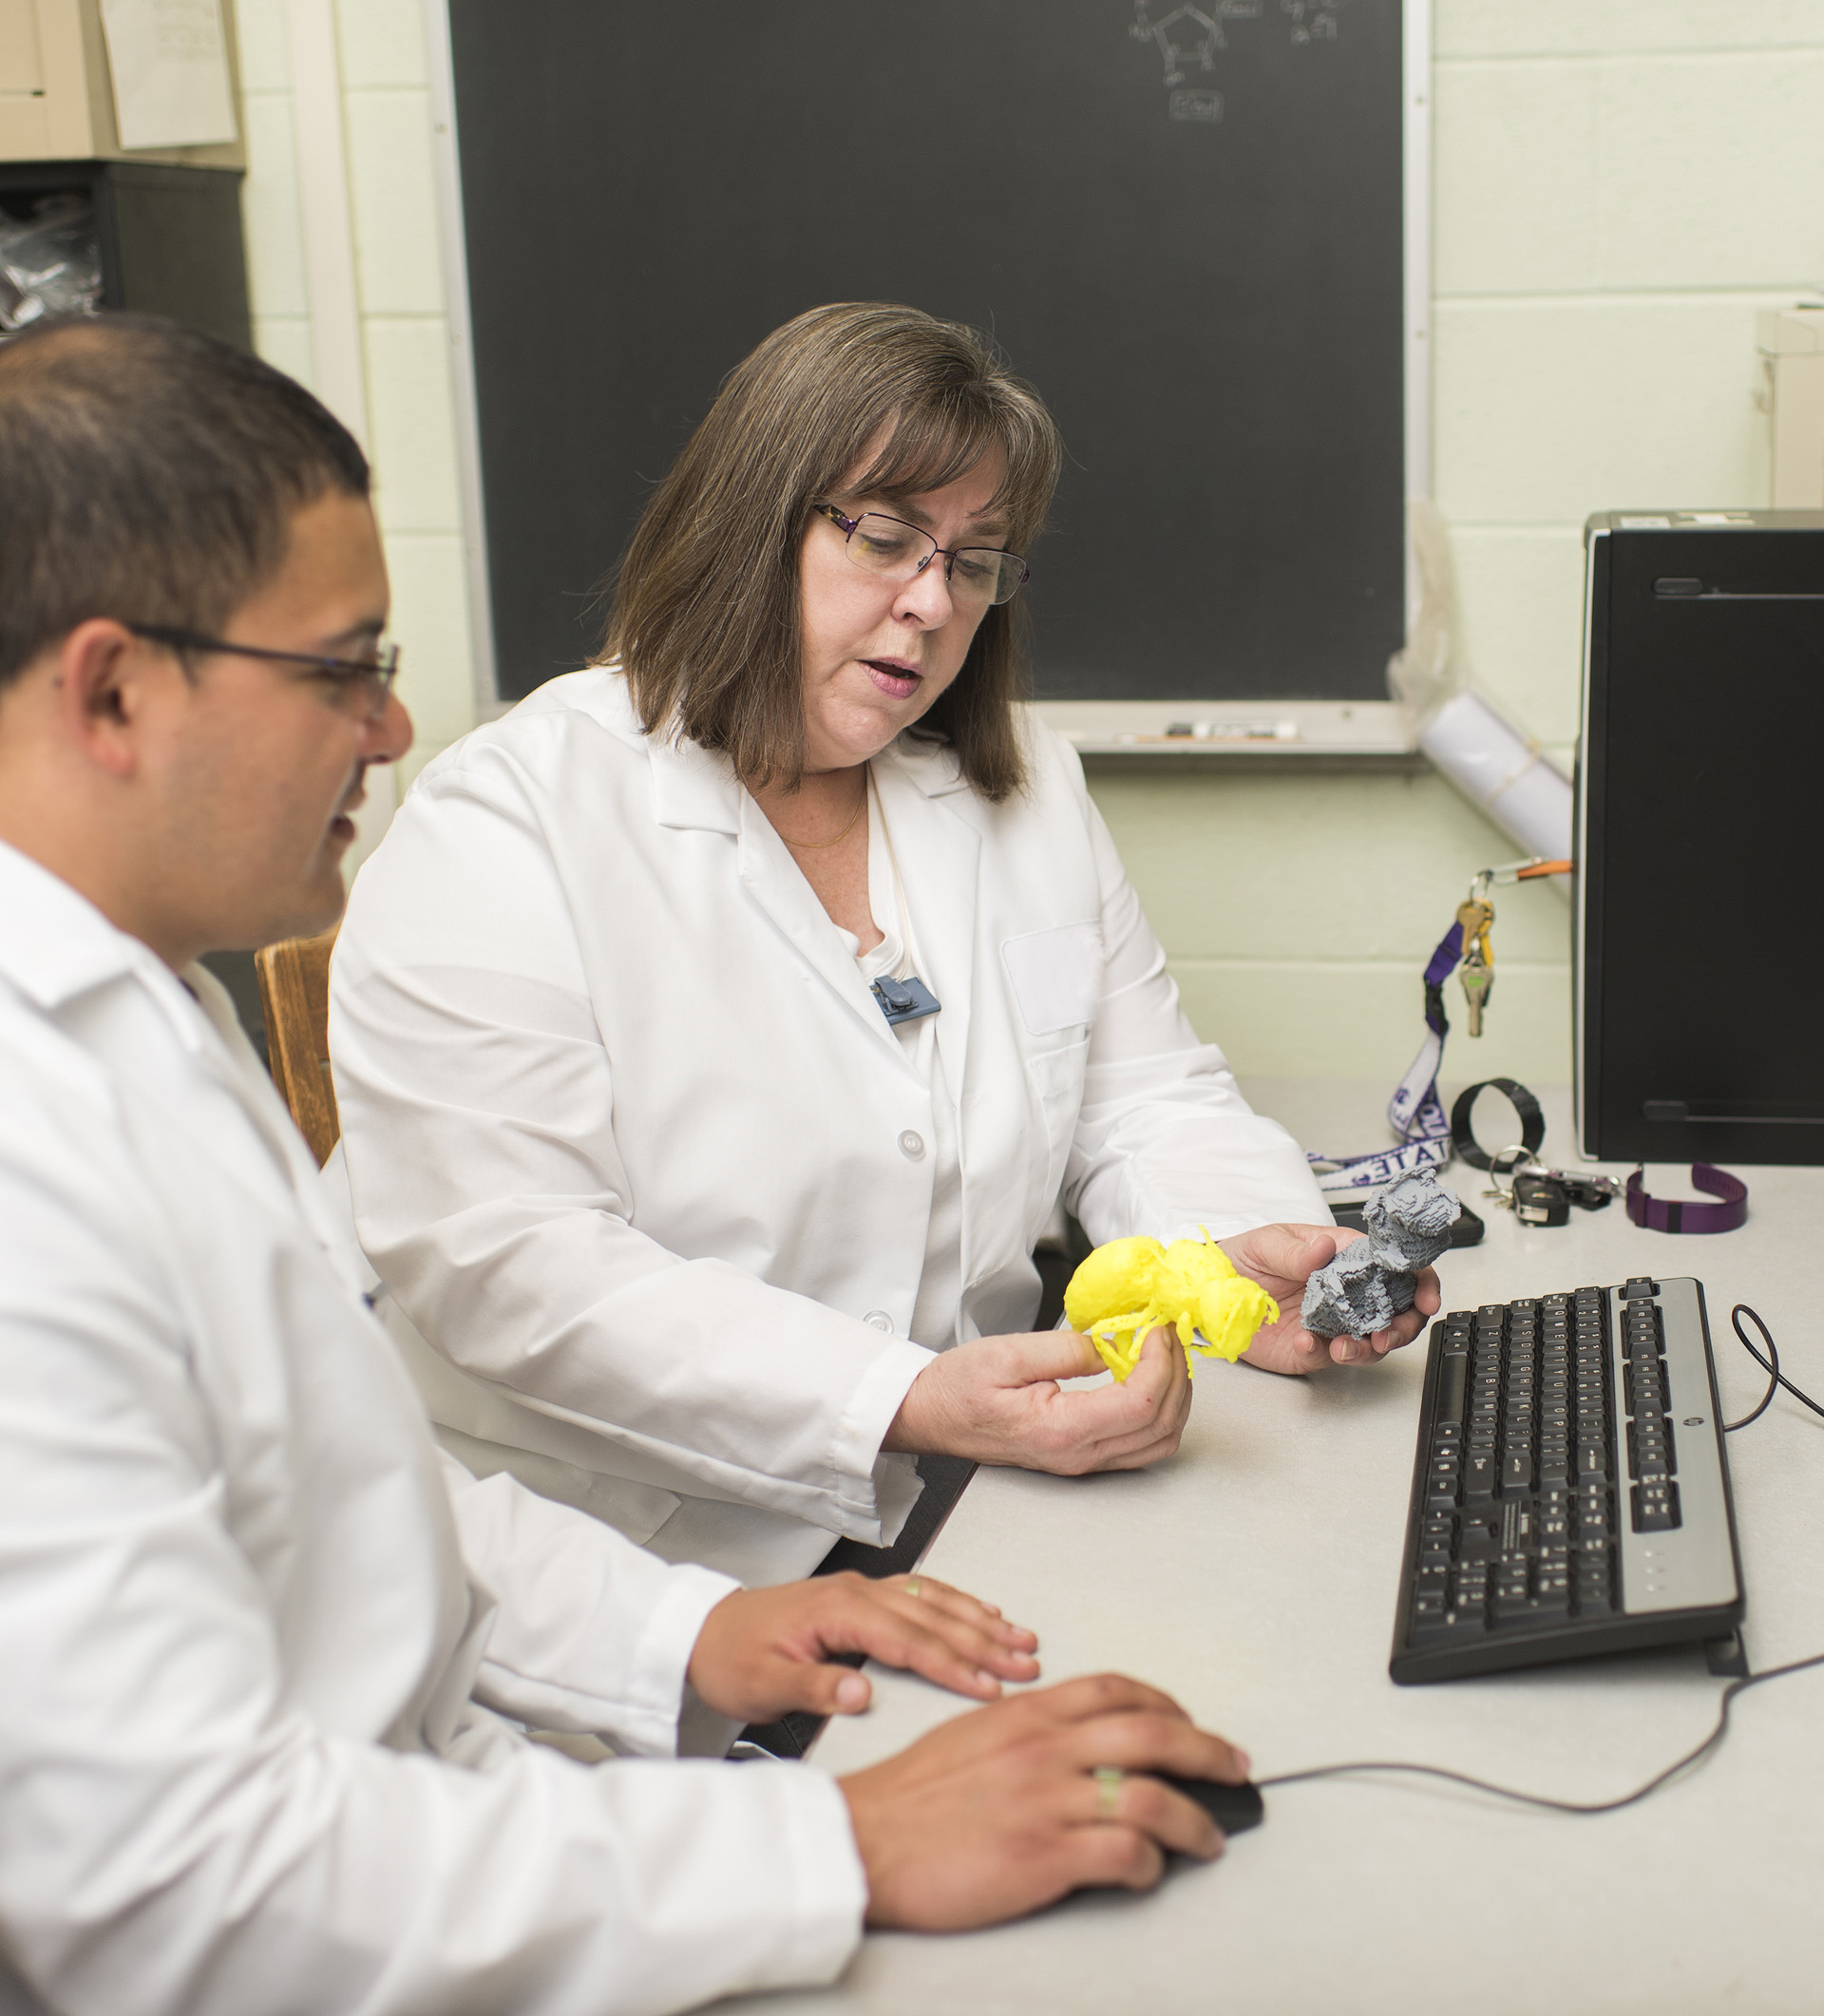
[936, 1308]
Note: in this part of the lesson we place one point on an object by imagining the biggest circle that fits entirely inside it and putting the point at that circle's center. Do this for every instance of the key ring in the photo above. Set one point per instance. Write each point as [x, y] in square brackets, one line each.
[1524, 1155]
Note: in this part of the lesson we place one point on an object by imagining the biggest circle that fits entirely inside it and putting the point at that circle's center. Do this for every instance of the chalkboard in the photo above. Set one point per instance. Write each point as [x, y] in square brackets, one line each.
[1182, 223]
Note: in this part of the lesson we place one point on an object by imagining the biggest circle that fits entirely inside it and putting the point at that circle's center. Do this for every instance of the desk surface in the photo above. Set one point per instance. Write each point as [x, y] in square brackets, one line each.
[1255, 1576]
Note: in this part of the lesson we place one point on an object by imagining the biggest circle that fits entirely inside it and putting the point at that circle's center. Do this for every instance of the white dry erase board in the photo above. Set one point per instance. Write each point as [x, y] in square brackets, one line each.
[1198, 230]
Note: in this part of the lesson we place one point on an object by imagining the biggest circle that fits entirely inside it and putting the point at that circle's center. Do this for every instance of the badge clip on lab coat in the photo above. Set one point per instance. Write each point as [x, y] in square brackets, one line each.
[905, 1000]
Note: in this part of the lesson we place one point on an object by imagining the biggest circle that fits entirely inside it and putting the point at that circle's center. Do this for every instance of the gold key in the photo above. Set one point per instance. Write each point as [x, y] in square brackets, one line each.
[1477, 974]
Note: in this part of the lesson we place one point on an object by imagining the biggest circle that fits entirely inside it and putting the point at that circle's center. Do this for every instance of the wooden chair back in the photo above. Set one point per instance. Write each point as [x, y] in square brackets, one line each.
[295, 990]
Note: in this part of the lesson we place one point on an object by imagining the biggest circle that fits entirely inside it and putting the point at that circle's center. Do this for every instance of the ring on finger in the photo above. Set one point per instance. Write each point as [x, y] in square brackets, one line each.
[912, 1586]
[1109, 1780]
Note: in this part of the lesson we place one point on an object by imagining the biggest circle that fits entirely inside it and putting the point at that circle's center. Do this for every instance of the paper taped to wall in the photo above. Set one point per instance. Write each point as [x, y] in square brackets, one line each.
[170, 68]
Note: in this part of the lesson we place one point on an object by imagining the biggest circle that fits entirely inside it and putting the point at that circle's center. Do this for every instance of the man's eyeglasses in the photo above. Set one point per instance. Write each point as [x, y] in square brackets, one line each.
[978, 577]
[364, 682]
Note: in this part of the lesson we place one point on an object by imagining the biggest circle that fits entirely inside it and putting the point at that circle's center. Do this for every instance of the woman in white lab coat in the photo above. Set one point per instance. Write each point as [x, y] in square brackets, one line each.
[675, 1223]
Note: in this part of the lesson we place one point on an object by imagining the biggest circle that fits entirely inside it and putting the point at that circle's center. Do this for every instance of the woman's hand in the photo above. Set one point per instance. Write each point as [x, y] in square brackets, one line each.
[998, 1399]
[762, 1653]
[999, 1813]
[1282, 1257]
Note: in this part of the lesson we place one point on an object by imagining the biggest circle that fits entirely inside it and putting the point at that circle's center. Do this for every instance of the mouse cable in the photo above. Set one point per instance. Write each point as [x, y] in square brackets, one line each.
[1770, 1364]
[1686, 1763]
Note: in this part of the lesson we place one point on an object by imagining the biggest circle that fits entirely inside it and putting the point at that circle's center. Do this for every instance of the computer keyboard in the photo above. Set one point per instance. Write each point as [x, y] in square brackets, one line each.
[1571, 1493]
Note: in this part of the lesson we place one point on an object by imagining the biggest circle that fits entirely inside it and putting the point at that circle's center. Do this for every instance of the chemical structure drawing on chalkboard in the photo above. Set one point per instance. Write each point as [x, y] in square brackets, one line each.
[1313, 20]
[1198, 48]
[1188, 39]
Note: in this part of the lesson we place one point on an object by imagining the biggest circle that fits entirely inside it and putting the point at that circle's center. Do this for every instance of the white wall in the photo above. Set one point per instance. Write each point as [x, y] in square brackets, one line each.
[1620, 185]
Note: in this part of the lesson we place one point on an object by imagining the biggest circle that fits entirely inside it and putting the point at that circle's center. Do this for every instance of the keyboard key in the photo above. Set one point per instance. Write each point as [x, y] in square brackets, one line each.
[1656, 1508]
[1452, 1380]
[1516, 1470]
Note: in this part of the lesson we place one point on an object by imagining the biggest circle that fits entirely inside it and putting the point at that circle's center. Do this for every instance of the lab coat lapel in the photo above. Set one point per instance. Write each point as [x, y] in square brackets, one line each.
[233, 1065]
[939, 853]
[692, 786]
[772, 879]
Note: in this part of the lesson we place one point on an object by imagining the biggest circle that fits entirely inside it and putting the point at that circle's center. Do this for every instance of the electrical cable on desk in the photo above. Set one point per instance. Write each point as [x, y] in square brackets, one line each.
[1685, 1763]
[1777, 1379]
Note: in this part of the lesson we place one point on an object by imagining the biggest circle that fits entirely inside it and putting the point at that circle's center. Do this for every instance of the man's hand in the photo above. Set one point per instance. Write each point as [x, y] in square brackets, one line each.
[762, 1653]
[999, 1813]
[998, 1400]
[1282, 1257]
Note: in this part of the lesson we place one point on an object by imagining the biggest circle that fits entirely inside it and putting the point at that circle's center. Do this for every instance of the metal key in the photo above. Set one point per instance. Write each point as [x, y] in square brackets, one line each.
[1476, 973]
[1478, 983]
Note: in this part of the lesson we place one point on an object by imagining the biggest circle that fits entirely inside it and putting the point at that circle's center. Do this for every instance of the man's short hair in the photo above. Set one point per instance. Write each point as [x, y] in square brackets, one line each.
[150, 473]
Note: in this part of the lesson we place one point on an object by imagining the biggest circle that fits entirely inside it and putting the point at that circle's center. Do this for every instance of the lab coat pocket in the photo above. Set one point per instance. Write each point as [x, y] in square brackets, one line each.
[1057, 1078]
[1056, 975]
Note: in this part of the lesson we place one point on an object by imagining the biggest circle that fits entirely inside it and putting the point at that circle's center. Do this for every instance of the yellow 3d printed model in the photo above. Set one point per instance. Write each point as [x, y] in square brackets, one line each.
[1133, 1285]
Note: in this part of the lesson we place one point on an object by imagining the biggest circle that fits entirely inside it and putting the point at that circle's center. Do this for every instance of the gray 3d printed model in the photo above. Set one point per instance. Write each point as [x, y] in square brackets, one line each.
[1372, 1279]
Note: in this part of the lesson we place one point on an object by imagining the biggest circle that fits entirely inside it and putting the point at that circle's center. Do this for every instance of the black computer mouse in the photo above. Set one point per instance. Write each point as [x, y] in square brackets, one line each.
[1234, 1807]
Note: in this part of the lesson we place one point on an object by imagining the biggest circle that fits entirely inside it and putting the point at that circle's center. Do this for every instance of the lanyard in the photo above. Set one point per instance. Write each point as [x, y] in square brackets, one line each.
[1414, 1113]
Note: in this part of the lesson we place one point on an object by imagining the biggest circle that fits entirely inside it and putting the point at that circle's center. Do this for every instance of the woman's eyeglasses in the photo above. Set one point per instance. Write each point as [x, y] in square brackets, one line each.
[978, 577]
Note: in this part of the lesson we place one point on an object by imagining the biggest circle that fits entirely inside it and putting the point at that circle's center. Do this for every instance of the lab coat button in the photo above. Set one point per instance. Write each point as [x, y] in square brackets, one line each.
[912, 1145]
[880, 1319]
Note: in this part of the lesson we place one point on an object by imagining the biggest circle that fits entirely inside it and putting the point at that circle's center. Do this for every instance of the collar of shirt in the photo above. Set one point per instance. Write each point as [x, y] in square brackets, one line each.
[56, 945]
[696, 786]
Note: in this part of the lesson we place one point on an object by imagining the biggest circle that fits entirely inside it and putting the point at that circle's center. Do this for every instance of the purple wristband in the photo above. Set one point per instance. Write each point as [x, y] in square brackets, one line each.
[1661, 1214]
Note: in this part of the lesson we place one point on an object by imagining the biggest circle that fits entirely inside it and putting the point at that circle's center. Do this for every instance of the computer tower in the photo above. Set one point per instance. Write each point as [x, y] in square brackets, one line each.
[1699, 955]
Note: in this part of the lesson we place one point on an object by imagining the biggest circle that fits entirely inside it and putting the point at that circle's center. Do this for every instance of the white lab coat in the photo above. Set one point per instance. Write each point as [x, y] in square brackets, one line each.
[633, 1147]
[250, 1616]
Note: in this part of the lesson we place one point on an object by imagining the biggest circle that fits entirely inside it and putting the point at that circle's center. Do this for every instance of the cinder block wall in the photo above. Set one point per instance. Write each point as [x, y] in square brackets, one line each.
[405, 330]
[1619, 185]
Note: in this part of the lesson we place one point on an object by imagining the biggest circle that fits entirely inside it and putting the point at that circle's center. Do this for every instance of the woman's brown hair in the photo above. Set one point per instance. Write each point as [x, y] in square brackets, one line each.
[705, 621]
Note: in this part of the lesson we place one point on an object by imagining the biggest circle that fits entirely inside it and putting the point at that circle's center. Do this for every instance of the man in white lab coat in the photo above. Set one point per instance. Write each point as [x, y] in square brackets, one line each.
[265, 1654]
